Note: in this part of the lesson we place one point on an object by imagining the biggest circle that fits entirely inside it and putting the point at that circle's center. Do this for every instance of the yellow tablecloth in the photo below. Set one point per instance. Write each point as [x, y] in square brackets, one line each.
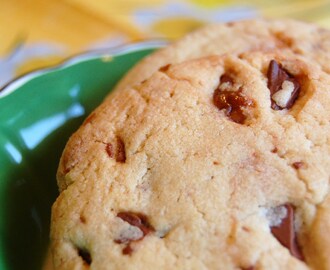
[38, 33]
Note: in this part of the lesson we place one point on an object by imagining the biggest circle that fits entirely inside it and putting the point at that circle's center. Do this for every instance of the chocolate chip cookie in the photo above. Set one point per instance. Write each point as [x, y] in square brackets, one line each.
[216, 163]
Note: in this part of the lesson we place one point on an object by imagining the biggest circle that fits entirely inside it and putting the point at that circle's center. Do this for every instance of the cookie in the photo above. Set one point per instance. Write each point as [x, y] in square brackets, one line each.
[292, 36]
[216, 163]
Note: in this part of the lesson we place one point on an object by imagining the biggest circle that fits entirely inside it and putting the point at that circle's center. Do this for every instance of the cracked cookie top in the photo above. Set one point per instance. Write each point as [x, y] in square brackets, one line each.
[216, 163]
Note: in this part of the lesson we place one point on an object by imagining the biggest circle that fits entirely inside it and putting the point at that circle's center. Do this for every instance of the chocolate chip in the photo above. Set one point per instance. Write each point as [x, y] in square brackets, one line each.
[138, 220]
[85, 255]
[225, 78]
[164, 68]
[122, 240]
[110, 150]
[278, 79]
[299, 164]
[249, 268]
[276, 76]
[285, 233]
[127, 250]
[120, 153]
[130, 218]
[274, 150]
[82, 219]
[117, 150]
[294, 93]
[233, 102]
[246, 229]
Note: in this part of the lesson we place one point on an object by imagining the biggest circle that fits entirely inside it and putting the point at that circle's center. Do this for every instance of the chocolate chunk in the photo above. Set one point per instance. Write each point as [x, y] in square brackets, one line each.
[85, 255]
[233, 102]
[276, 77]
[138, 220]
[249, 268]
[299, 164]
[117, 150]
[285, 233]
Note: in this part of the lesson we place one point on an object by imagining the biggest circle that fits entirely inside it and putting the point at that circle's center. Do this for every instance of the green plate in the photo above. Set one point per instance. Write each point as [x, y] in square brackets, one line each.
[38, 113]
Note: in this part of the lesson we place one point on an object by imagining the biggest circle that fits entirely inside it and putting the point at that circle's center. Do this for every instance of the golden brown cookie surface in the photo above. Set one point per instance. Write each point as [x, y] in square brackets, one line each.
[290, 36]
[216, 163]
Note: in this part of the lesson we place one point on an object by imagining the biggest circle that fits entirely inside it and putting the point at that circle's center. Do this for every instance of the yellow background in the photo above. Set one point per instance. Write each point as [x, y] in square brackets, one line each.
[73, 26]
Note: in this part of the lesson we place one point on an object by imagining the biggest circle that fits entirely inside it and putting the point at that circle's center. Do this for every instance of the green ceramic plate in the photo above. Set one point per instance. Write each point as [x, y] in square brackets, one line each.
[38, 112]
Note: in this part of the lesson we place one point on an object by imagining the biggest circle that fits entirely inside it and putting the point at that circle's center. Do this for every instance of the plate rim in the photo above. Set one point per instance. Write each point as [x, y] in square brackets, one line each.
[106, 53]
